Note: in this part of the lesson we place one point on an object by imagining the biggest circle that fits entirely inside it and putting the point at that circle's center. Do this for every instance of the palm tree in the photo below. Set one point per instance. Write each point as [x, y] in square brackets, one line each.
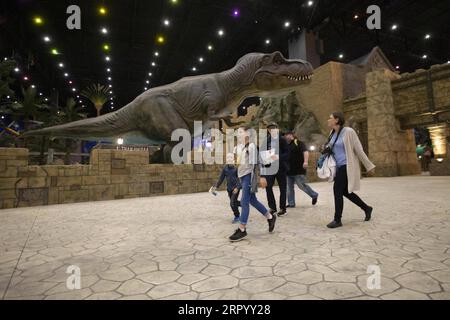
[69, 113]
[98, 94]
[29, 108]
[6, 67]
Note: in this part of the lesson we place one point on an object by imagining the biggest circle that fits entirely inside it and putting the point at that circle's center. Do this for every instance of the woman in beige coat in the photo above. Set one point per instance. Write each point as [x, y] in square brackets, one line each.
[347, 151]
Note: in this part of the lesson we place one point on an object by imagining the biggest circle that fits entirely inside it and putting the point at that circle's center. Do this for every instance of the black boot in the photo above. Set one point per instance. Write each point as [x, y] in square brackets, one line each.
[334, 224]
[368, 213]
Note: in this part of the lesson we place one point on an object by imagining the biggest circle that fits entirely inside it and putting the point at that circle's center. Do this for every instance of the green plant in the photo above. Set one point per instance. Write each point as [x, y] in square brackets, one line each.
[98, 94]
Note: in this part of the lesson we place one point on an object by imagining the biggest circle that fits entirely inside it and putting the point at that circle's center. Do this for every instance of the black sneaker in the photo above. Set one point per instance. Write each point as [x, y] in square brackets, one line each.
[272, 222]
[314, 201]
[334, 224]
[289, 206]
[238, 235]
[282, 213]
[368, 213]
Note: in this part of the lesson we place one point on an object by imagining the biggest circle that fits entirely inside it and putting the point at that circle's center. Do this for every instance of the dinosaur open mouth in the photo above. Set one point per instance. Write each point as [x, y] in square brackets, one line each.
[300, 78]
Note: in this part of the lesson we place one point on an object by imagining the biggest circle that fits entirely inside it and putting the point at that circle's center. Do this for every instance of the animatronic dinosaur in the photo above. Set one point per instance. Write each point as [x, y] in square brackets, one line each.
[152, 116]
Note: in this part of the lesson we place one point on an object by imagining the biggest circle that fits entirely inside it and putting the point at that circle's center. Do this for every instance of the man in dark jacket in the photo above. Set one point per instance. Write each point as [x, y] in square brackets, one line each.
[298, 163]
[233, 185]
[281, 176]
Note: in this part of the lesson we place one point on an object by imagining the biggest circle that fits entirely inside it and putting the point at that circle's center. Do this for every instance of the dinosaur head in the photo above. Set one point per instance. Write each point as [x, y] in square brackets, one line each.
[276, 73]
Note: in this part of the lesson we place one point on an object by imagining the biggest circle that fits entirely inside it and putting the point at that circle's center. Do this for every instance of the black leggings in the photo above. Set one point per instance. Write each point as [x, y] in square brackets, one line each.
[340, 189]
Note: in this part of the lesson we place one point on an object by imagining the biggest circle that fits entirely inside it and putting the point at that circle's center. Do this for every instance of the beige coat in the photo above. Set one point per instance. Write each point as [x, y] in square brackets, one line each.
[354, 153]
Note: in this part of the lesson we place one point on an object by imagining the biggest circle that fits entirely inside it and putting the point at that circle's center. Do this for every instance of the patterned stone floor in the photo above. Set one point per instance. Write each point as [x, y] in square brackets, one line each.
[175, 247]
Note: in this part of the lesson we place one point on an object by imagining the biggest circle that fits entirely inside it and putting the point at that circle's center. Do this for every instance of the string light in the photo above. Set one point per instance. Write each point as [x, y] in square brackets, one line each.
[106, 47]
[221, 33]
[66, 74]
[47, 39]
[55, 51]
[427, 36]
[166, 22]
[267, 41]
[104, 31]
[424, 56]
[341, 56]
[310, 3]
[287, 24]
[200, 59]
[61, 65]
[210, 48]
[394, 27]
[156, 54]
[16, 69]
[160, 39]
[102, 11]
[38, 20]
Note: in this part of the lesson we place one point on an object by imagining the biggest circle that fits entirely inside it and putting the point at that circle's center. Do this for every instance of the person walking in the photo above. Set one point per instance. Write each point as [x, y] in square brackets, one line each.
[298, 163]
[281, 175]
[347, 151]
[247, 159]
[229, 172]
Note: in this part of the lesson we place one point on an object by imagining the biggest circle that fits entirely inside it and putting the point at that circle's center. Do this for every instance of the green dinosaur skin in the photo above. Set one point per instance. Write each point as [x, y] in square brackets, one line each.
[155, 114]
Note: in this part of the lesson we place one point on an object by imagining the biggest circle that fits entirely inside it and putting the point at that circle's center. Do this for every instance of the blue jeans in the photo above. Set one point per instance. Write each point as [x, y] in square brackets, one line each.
[300, 181]
[248, 199]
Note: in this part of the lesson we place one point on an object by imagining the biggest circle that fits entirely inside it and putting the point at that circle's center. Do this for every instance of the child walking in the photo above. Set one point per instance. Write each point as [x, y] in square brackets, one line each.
[230, 173]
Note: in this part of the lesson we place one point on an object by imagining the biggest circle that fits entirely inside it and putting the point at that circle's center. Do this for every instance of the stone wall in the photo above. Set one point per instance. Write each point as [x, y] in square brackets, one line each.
[112, 174]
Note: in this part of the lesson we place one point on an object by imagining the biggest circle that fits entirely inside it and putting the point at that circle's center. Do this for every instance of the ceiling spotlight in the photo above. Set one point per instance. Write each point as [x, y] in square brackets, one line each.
[107, 58]
[147, 82]
[424, 56]
[235, 13]
[448, 61]
[201, 59]
[287, 24]
[70, 82]
[106, 47]
[356, 17]
[221, 33]
[66, 74]
[110, 92]
[7, 97]
[109, 78]
[397, 67]
[46, 99]
[40, 93]
[150, 74]
[153, 64]
[427, 36]
[25, 78]
[341, 56]
[310, 3]
[104, 31]
[267, 41]
[145, 89]
[194, 69]
[108, 70]
[61, 65]
[174, 1]
[73, 89]
[80, 101]
[166, 22]
[394, 27]
[55, 51]
[47, 39]
[156, 54]
[102, 11]
[16, 69]
[210, 48]
[78, 97]
[33, 86]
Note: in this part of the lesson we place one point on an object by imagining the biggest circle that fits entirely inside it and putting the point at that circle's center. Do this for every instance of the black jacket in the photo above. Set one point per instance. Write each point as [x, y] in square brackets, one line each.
[296, 158]
[283, 153]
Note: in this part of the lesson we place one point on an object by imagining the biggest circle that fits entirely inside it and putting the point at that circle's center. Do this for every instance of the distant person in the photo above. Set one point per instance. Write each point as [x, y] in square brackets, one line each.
[281, 176]
[298, 163]
[247, 158]
[348, 151]
[426, 158]
[230, 172]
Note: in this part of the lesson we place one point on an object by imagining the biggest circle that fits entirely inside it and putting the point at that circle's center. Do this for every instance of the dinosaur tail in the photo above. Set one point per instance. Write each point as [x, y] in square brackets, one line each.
[106, 126]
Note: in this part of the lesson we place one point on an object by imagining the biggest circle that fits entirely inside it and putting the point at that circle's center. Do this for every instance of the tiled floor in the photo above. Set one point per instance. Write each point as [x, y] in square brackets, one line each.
[176, 247]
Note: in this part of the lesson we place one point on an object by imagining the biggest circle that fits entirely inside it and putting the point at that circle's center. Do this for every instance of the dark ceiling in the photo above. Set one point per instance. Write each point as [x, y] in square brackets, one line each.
[133, 26]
